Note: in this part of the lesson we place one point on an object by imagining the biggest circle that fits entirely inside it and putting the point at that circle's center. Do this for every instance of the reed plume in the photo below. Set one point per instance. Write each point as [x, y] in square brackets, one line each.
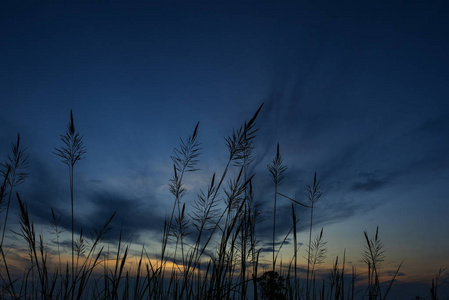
[72, 151]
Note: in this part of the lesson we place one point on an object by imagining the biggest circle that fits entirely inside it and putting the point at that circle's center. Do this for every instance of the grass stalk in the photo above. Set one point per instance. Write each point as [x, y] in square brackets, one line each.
[277, 170]
[14, 174]
[71, 152]
[313, 194]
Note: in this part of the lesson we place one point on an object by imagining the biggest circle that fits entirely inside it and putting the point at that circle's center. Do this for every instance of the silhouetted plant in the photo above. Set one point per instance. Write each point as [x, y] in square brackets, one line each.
[185, 159]
[216, 257]
[277, 170]
[272, 286]
[243, 159]
[295, 294]
[373, 256]
[313, 194]
[317, 252]
[436, 282]
[4, 186]
[57, 231]
[240, 142]
[336, 281]
[14, 173]
[71, 152]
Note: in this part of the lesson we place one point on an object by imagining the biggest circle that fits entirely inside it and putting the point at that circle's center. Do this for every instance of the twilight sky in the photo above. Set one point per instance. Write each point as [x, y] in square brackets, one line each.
[357, 92]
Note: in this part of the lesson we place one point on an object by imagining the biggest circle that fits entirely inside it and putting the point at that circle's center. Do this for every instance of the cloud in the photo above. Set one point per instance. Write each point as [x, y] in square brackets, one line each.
[134, 215]
[95, 202]
[41, 191]
[392, 273]
[368, 185]
[437, 125]
[371, 181]
[267, 249]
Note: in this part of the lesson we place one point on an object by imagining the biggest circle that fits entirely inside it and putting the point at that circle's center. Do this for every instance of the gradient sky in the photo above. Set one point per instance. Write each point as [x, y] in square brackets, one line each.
[356, 91]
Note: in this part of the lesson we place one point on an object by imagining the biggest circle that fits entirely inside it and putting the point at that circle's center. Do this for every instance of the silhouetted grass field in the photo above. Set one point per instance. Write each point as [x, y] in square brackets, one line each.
[207, 251]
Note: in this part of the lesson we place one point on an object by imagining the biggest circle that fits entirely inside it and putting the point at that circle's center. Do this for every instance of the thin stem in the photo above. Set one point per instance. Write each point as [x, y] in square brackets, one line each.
[11, 186]
[274, 223]
[308, 256]
[73, 240]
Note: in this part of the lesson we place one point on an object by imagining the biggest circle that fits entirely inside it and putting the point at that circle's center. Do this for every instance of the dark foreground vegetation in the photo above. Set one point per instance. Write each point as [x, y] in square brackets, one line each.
[208, 251]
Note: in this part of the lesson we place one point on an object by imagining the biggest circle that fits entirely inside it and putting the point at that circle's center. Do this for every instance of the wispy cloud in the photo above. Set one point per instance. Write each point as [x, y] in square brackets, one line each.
[371, 181]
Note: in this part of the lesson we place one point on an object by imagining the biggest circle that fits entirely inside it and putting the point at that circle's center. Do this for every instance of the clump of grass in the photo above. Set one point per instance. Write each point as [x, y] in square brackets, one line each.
[313, 194]
[437, 282]
[209, 250]
[272, 286]
[373, 256]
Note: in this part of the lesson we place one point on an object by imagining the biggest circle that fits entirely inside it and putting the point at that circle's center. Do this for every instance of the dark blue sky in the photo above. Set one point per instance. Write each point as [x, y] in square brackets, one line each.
[357, 91]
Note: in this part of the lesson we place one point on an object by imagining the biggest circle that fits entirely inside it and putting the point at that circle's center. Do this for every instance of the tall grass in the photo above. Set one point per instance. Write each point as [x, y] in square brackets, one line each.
[313, 194]
[209, 249]
[71, 152]
[277, 170]
[14, 174]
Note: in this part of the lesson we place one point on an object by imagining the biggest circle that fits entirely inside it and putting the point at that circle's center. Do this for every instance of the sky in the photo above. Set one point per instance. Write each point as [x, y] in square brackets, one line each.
[355, 91]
